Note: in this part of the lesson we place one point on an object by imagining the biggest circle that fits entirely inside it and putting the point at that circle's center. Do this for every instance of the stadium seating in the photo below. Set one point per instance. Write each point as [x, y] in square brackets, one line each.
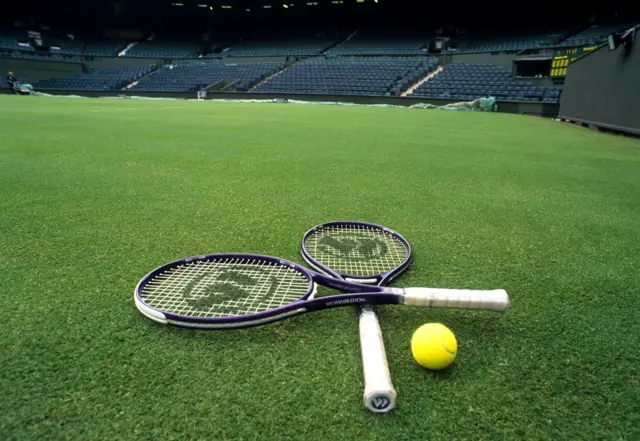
[61, 44]
[45, 57]
[212, 50]
[371, 44]
[105, 48]
[193, 75]
[509, 45]
[98, 79]
[460, 81]
[395, 64]
[64, 45]
[9, 40]
[513, 42]
[164, 49]
[273, 48]
[592, 36]
[351, 75]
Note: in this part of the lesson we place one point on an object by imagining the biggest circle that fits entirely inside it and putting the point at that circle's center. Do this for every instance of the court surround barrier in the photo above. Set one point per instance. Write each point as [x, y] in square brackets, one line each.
[515, 107]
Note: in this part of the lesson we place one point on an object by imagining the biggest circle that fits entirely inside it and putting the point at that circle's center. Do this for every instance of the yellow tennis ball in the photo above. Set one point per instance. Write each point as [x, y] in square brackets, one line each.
[434, 346]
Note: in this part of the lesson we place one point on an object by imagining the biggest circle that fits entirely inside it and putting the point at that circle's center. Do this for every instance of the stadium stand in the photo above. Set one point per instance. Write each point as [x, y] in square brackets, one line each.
[98, 48]
[63, 44]
[351, 75]
[193, 75]
[45, 57]
[9, 43]
[593, 36]
[213, 50]
[513, 42]
[363, 43]
[9, 40]
[394, 65]
[463, 81]
[164, 49]
[98, 79]
[273, 48]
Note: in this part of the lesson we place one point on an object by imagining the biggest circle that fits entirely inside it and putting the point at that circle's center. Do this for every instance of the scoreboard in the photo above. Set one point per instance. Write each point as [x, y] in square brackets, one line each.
[563, 57]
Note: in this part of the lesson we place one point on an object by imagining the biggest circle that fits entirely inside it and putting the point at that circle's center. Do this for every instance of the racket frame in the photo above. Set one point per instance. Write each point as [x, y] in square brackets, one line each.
[381, 279]
[386, 296]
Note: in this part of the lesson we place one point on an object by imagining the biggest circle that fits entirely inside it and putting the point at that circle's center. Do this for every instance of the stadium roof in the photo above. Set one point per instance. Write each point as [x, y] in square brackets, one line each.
[197, 15]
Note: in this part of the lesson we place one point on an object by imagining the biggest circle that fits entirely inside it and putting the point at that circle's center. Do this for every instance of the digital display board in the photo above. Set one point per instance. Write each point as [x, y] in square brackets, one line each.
[563, 57]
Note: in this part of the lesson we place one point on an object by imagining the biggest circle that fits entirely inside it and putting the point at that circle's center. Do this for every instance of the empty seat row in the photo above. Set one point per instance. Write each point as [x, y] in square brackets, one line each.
[592, 36]
[295, 47]
[470, 82]
[194, 75]
[159, 49]
[369, 43]
[98, 79]
[345, 75]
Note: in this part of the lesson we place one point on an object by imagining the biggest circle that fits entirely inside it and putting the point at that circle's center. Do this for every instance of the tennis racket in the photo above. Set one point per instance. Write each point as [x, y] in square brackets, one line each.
[365, 253]
[228, 291]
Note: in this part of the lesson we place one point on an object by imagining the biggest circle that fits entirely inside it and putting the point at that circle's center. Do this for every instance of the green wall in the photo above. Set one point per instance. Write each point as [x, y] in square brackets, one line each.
[538, 82]
[37, 70]
[603, 88]
[502, 60]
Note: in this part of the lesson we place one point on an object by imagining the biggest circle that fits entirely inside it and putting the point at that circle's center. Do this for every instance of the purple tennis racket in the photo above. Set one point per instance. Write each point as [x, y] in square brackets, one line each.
[227, 291]
[364, 253]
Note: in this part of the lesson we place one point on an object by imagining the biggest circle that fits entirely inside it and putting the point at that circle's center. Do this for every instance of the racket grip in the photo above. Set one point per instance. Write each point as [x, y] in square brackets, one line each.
[379, 393]
[495, 300]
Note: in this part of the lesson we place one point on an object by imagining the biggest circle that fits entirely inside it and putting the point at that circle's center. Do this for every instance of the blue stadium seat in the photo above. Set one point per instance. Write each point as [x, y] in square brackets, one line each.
[193, 75]
[351, 75]
[592, 36]
[475, 81]
[98, 79]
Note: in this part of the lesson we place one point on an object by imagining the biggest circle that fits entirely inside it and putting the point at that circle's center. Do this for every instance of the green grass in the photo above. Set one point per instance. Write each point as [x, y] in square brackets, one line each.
[96, 193]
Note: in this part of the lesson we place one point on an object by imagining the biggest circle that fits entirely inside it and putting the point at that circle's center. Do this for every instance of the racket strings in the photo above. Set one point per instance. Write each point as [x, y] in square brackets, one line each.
[357, 250]
[224, 287]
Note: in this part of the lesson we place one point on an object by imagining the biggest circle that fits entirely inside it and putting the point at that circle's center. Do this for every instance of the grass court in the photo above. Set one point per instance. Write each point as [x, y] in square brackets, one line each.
[95, 193]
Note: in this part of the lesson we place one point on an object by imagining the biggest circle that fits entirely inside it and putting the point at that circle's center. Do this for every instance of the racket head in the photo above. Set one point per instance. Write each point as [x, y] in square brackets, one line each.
[222, 289]
[356, 251]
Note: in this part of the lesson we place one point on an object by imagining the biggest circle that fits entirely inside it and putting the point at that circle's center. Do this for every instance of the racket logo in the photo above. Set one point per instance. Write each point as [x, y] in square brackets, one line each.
[225, 287]
[354, 246]
[347, 301]
[380, 402]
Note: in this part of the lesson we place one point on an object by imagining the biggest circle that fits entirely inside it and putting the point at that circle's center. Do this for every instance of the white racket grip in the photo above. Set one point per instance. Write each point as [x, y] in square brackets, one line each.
[379, 393]
[495, 300]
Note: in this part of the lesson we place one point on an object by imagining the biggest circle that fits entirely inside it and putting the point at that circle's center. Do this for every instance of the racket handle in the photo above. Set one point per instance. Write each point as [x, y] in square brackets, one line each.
[379, 393]
[495, 300]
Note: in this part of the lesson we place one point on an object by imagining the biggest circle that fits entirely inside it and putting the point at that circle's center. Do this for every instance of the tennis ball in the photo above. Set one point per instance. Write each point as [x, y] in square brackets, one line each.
[434, 346]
